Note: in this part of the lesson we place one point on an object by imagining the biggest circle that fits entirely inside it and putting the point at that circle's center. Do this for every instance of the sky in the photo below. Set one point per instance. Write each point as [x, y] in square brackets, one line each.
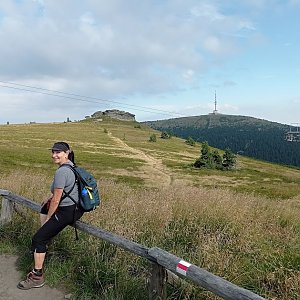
[157, 59]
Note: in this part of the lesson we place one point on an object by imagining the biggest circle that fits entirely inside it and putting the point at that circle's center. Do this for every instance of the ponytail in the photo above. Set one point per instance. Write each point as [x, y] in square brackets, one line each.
[71, 156]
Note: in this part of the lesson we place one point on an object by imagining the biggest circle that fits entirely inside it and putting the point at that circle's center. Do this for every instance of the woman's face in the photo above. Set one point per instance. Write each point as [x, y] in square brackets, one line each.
[59, 157]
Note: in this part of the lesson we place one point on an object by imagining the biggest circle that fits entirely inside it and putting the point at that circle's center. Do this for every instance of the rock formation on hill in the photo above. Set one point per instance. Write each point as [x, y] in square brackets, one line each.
[115, 114]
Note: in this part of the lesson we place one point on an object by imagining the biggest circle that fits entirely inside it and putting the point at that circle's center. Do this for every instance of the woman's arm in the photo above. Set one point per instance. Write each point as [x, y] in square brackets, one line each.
[57, 193]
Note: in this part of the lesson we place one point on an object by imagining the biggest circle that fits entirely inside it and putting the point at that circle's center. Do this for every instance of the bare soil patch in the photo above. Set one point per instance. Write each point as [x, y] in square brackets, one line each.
[9, 278]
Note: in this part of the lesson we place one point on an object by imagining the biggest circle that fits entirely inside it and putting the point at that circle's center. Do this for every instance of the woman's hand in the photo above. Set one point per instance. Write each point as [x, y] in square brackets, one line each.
[57, 193]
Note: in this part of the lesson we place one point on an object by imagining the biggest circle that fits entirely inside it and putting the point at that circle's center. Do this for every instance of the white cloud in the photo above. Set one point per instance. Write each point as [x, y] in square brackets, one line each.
[227, 108]
[188, 75]
[208, 11]
[114, 49]
[212, 44]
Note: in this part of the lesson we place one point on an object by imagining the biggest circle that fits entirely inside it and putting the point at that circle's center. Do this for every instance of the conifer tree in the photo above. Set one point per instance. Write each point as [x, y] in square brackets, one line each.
[229, 159]
[217, 159]
[190, 141]
[213, 160]
[205, 158]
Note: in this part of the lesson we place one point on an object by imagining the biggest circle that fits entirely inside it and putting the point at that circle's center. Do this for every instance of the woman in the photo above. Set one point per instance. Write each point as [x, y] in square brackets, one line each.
[56, 213]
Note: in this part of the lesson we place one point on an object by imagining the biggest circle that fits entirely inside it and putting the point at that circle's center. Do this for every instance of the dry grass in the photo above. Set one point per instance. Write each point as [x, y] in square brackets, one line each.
[242, 225]
[249, 240]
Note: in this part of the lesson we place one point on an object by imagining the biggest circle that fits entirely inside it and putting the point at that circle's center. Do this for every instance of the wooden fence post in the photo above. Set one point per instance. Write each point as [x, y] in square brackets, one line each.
[157, 282]
[201, 277]
[6, 211]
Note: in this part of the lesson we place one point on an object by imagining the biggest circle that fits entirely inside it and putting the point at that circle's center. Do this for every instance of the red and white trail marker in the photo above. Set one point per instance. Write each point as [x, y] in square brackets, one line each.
[182, 267]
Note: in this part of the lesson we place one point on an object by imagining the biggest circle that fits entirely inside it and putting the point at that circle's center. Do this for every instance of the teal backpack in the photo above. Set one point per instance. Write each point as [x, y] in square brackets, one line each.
[88, 192]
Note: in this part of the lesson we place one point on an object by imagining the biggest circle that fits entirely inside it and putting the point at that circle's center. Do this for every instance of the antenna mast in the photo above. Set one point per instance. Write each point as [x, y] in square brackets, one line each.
[215, 100]
[215, 110]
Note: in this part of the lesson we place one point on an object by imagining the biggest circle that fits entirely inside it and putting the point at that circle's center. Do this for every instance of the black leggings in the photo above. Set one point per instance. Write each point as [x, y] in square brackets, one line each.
[59, 220]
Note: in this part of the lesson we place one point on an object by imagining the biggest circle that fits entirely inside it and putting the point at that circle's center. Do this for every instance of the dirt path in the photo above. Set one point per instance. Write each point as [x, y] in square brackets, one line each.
[9, 278]
[154, 170]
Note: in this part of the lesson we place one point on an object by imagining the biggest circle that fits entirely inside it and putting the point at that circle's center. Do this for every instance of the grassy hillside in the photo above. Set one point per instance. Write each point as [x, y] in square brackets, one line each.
[121, 151]
[252, 137]
[242, 225]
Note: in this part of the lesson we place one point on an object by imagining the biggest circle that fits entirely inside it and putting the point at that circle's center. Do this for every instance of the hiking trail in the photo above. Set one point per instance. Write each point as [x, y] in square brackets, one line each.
[154, 171]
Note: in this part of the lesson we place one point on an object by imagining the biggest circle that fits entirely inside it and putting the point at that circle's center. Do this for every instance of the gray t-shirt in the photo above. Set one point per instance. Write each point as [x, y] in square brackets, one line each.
[64, 178]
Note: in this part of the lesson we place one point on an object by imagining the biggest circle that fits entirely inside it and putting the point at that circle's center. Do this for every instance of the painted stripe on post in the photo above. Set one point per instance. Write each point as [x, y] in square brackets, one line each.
[182, 267]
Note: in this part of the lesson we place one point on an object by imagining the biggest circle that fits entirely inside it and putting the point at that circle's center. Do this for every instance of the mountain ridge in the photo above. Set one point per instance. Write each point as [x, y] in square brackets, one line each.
[253, 137]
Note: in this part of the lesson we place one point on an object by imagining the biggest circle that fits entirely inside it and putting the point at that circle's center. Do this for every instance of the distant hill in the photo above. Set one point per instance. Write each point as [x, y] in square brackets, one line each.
[248, 136]
[114, 114]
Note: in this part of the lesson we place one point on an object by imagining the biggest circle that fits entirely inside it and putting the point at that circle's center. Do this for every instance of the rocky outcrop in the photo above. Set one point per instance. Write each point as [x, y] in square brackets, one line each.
[114, 114]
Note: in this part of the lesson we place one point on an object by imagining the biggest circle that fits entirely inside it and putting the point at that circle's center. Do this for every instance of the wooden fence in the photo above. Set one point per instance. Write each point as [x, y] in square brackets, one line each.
[162, 263]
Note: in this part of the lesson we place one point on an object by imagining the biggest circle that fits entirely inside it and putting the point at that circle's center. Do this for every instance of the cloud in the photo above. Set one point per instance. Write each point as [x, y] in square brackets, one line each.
[122, 44]
[189, 75]
[115, 49]
[227, 83]
[208, 11]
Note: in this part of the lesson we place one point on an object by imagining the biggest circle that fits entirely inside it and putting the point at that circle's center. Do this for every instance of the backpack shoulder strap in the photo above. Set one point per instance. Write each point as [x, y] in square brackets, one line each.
[68, 166]
[67, 194]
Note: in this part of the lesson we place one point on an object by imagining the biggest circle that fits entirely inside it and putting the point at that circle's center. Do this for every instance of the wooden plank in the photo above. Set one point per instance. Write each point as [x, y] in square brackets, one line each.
[6, 208]
[114, 239]
[157, 282]
[174, 280]
[4, 192]
[6, 211]
[90, 229]
[203, 278]
[23, 201]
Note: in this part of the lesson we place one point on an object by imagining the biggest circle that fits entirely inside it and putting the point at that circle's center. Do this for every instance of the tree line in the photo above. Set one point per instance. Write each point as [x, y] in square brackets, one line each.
[265, 143]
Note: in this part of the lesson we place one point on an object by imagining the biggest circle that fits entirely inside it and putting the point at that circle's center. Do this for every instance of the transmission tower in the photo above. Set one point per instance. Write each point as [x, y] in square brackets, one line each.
[215, 111]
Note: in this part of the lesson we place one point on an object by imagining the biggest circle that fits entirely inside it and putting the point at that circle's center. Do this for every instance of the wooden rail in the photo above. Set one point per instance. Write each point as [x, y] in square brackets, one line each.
[161, 261]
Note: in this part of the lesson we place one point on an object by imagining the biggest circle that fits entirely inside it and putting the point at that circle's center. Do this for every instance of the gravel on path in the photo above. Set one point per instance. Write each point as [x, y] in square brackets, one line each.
[9, 278]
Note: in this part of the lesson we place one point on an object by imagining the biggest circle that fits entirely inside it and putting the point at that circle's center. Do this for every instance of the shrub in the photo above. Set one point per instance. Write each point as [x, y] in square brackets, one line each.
[165, 135]
[152, 138]
[190, 141]
[229, 159]
[213, 160]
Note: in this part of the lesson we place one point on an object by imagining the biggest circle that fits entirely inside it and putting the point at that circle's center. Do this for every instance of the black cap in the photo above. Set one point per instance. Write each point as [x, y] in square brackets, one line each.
[60, 146]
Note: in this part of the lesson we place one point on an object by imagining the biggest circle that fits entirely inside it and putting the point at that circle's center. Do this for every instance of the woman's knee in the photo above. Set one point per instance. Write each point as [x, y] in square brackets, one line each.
[38, 245]
[39, 241]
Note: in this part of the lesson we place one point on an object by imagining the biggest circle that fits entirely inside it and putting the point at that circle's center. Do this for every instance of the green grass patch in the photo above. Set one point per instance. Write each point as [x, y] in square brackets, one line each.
[242, 225]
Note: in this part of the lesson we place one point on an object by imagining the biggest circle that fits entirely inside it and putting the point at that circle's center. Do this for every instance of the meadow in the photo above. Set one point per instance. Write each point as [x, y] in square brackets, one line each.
[242, 225]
